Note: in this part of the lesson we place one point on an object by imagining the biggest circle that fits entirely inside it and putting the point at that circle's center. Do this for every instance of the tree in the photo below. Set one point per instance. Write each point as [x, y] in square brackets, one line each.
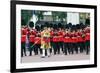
[39, 14]
[26, 15]
[62, 16]
[59, 15]
[54, 15]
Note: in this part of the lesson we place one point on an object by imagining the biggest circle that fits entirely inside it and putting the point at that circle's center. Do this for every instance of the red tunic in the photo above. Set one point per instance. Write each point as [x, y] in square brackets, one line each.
[37, 40]
[32, 35]
[60, 36]
[24, 32]
[87, 30]
[31, 38]
[74, 38]
[33, 32]
[87, 38]
[51, 34]
[80, 38]
[66, 38]
[55, 37]
[46, 39]
[23, 38]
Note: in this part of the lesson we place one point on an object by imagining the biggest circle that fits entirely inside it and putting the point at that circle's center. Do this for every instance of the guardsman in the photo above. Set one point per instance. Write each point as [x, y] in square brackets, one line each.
[78, 39]
[55, 39]
[81, 40]
[71, 42]
[74, 41]
[60, 35]
[23, 40]
[51, 40]
[60, 43]
[32, 34]
[45, 42]
[87, 38]
[37, 43]
[66, 41]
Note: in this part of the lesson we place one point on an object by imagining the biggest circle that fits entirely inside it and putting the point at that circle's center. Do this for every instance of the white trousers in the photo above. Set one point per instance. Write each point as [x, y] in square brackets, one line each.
[44, 50]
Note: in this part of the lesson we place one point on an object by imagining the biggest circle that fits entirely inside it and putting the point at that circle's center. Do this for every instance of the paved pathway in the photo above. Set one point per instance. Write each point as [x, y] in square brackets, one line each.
[60, 57]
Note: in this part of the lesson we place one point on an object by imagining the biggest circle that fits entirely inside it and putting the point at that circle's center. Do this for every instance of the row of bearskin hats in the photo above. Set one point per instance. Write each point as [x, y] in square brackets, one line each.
[56, 26]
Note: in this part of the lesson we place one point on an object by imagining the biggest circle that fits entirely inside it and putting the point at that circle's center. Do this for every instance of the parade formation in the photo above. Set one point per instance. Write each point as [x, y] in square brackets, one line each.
[51, 38]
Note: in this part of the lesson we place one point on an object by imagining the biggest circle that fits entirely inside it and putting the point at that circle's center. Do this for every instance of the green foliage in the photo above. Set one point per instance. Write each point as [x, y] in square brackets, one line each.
[39, 14]
[60, 15]
[26, 15]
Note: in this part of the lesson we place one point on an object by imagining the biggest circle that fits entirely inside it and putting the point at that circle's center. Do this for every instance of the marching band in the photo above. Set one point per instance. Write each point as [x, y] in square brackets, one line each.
[55, 39]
